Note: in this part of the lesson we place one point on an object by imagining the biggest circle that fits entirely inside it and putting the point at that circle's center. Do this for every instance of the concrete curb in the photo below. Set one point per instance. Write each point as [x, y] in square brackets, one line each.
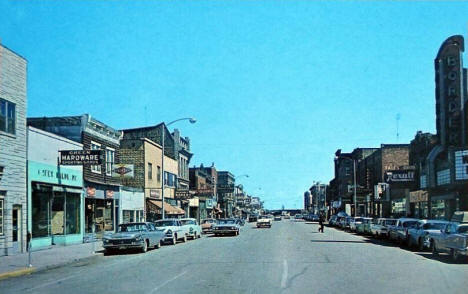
[17, 273]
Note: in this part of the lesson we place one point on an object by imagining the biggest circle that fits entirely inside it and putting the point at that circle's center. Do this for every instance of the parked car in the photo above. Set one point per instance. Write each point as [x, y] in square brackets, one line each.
[253, 218]
[367, 225]
[194, 229]
[264, 221]
[173, 230]
[453, 238]
[133, 235]
[332, 221]
[347, 223]
[381, 226]
[207, 225]
[227, 226]
[312, 217]
[418, 235]
[361, 228]
[277, 218]
[399, 232]
[286, 216]
[354, 222]
[298, 216]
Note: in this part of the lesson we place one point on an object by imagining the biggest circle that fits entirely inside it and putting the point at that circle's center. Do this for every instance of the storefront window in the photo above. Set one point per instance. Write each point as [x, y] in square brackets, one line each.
[73, 213]
[438, 209]
[127, 216]
[58, 214]
[40, 213]
[399, 207]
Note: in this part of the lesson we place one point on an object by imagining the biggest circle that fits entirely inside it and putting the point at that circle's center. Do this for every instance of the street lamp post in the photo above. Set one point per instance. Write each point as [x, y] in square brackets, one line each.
[192, 121]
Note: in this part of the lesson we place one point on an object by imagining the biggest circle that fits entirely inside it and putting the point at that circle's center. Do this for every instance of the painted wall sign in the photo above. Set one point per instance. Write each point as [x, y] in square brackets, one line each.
[80, 157]
[123, 171]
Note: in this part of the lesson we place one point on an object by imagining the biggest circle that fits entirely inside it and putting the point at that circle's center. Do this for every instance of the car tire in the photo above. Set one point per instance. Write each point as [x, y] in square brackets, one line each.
[174, 240]
[184, 239]
[157, 245]
[421, 244]
[455, 255]
[434, 249]
[145, 246]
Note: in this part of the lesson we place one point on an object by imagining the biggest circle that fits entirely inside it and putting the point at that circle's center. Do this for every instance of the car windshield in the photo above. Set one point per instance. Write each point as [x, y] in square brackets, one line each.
[165, 223]
[463, 229]
[433, 226]
[390, 222]
[226, 221]
[208, 221]
[186, 222]
[132, 227]
[358, 219]
[409, 224]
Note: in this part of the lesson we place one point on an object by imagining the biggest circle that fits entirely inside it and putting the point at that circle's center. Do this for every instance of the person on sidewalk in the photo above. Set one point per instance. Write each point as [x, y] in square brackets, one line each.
[321, 223]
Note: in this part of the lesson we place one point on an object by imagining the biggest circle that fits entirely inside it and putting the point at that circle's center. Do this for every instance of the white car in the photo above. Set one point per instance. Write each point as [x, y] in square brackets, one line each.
[194, 229]
[173, 230]
[264, 221]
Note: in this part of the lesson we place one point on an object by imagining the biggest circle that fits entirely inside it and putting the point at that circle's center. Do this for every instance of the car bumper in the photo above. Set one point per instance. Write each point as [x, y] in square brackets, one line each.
[222, 232]
[263, 225]
[136, 244]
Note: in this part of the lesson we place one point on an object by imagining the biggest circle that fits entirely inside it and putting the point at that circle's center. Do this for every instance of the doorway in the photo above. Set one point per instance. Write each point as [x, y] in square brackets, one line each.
[17, 230]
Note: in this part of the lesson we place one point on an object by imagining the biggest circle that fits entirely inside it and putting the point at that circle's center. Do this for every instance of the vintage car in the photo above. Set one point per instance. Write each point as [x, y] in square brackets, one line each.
[226, 227]
[277, 217]
[380, 228]
[207, 225]
[286, 216]
[194, 229]
[264, 221]
[311, 217]
[418, 235]
[354, 222]
[361, 228]
[332, 221]
[173, 230]
[399, 232]
[133, 235]
[368, 224]
[453, 238]
[298, 216]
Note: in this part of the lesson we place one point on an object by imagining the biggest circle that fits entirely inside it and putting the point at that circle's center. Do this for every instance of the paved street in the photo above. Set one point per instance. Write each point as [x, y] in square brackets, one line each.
[291, 257]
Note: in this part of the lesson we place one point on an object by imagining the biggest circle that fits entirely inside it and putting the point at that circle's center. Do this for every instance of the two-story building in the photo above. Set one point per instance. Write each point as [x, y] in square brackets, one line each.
[13, 200]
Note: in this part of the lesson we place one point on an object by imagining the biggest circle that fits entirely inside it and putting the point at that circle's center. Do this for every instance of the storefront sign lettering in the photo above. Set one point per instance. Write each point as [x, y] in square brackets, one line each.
[399, 176]
[80, 157]
[54, 174]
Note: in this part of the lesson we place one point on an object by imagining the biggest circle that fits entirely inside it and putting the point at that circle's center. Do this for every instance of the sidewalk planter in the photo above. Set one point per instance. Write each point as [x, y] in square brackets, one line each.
[55, 193]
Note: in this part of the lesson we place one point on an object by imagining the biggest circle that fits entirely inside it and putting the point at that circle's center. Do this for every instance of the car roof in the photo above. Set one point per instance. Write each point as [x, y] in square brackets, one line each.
[188, 218]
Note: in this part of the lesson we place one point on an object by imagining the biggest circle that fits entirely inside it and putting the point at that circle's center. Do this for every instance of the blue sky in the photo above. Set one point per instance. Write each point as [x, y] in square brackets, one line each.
[276, 86]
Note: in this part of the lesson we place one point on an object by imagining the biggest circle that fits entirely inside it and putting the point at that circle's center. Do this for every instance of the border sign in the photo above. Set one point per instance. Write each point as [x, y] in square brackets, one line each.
[80, 157]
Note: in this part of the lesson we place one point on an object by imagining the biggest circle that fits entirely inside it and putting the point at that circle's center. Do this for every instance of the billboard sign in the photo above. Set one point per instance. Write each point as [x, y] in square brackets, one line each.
[399, 176]
[80, 157]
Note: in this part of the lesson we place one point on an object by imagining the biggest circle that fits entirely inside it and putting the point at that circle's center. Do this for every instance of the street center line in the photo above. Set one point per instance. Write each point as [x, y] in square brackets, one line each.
[167, 282]
[284, 279]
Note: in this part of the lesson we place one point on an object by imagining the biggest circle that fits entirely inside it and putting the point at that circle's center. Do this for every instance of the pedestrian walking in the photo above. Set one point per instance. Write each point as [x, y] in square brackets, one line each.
[321, 223]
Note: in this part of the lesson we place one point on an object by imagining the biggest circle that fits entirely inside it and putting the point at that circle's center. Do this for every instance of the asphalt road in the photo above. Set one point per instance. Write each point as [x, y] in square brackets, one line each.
[291, 257]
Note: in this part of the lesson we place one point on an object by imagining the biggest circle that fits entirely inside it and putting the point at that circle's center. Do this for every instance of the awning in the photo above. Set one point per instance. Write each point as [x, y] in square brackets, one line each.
[168, 209]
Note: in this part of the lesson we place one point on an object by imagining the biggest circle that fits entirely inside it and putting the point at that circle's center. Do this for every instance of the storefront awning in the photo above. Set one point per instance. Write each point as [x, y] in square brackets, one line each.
[168, 209]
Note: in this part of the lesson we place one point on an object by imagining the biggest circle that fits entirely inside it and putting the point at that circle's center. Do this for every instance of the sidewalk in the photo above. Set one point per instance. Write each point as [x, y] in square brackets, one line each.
[17, 265]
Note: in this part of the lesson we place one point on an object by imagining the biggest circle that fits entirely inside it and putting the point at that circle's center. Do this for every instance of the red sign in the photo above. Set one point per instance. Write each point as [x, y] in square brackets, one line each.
[90, 191]
[109, 194]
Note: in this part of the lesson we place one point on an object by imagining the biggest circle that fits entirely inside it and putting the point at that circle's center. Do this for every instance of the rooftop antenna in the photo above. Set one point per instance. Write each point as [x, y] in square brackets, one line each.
[397, 127]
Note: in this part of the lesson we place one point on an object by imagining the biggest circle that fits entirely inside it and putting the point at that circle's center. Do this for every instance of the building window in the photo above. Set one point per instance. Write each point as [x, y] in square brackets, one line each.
[7, 116]
[95, 168]
[110, 160]
[2, 194]
[443, 177]
[169, 179]
[423, 181]
[159, 174]
[150, 171]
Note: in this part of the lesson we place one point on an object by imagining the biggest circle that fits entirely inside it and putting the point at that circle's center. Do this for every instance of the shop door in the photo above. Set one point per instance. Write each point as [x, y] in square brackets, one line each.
[17, 236]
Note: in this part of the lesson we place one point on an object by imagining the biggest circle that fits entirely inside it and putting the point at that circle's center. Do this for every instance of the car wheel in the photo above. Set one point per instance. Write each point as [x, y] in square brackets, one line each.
[145, 246]
[184, 239]
[174, 240]
[434, 249]
[421, 244]
[455, 255]
[157, 245]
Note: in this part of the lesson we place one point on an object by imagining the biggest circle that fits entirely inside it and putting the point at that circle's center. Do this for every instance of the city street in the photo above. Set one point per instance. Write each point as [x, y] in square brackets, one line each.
[291, 257]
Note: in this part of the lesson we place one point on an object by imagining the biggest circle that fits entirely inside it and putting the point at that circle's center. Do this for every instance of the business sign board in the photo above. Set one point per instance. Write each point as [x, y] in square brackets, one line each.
[80, 157]
[123, 171]
[399, 176]
[225, 188]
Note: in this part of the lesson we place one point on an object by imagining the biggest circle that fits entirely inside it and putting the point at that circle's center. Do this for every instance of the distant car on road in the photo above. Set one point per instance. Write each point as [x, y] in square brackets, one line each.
[194, 229]
[277, 217]
[207, 225]
[264, 221]
[173, 230]
[133, 235]
[354, 222]
[253, 218]
[399, 232]
[298, 216]
[286, 216]
[380, 228]
[226, 227]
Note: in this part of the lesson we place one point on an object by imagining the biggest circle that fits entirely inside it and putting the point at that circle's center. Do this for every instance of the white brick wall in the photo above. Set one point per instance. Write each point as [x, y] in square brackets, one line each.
[13, 147]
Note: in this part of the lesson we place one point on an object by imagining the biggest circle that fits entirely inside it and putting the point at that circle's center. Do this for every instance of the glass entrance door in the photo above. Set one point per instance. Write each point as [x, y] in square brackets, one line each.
[17, 229]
